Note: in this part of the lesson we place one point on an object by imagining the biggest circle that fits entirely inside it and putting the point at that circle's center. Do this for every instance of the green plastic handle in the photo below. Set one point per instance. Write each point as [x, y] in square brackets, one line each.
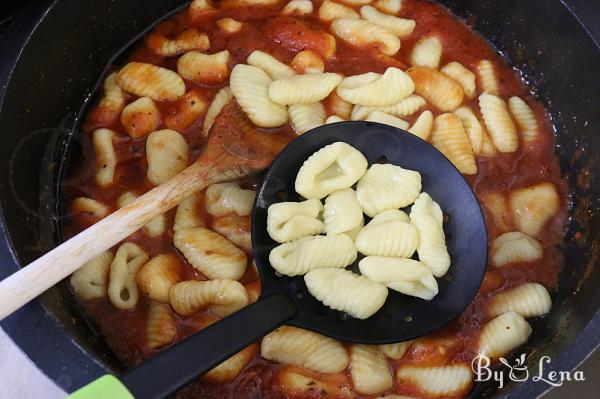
[106, 387]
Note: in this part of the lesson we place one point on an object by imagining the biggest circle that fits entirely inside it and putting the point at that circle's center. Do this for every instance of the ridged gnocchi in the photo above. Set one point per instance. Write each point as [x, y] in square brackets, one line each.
[166, 154]
[204, 68]
[224, 198]
[426, 215]
[210, 253]
[287, 221]
[334, 167]
[369, 370]
[386, 187]
[250, 87]
[112, 102]
[123, 291]
[472, 126]
[291, 345]
[309, 253]
[236, 229]
[396, 350]
[406, 276]
[450, 137]
[331, 10]
[347, 292]
[427, 52]
[362, 33]
[392, 238]
[342, 212]
[399, 26]
[462, 75]
[440, 90]
[303, 89]
[499, 122]
[525, 119]
[503, 334]
[515, 247]
[90, 281]
[376, 90]
[305, 117]
[487, 77]
[528, 300]
[158, 275]
[450, 380]
[161, 328]
[147, 80]
[222, 297]
[271, 65]
[405, 107]
[187, 213]
[189, 39]
[221, 99]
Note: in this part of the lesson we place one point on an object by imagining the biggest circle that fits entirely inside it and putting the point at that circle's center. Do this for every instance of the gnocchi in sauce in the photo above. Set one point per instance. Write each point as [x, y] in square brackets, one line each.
[289, 66]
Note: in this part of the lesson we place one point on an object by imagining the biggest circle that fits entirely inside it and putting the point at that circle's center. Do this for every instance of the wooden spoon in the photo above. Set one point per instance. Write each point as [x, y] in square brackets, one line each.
[235, 149]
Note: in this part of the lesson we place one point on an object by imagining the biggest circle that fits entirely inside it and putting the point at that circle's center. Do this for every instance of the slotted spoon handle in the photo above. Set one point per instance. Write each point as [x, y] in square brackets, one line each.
[169, 370]
[21, 287]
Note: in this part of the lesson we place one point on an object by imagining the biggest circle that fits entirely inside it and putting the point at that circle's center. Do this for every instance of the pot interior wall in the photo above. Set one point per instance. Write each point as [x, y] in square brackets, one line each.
[541, 39]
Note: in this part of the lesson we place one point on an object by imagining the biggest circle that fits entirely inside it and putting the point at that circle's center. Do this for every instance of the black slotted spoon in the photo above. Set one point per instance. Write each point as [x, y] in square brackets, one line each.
[286, 299]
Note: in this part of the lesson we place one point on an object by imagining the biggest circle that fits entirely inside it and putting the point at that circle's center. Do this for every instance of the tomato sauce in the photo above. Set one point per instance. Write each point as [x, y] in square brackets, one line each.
[266, 30]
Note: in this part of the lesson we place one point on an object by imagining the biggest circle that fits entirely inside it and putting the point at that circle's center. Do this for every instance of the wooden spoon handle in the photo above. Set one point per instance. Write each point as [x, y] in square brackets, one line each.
[29, 282]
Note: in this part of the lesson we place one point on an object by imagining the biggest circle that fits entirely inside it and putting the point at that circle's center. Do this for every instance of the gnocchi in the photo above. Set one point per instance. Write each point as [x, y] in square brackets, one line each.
[362, 33]
[515, 247]
[386, 187]
[204, 68]
[309, 253]
[210, 253]
[291, 345]
[122, 288]
[287, 221]
[426, 215]
[406, 276]
[223, 297]
[342, 212]
[345, 291]
[158, 275]
[334, 167]
[140, 117]
[167, 155]
[106, 157]
[250, 87]
[147, 80]
[377, 90]
[224, 198]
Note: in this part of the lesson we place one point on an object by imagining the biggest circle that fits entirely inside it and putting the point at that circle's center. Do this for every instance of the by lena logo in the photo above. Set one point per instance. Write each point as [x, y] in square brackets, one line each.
[519, 372]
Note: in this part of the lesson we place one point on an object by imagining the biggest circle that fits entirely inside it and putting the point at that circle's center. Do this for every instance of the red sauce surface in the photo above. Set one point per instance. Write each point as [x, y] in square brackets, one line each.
[283, 37]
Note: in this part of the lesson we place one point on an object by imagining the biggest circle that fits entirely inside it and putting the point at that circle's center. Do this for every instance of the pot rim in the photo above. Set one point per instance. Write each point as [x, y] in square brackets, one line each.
[77, 366]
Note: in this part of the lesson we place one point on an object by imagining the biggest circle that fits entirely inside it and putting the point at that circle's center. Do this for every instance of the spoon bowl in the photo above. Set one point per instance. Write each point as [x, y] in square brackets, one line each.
[402, 317]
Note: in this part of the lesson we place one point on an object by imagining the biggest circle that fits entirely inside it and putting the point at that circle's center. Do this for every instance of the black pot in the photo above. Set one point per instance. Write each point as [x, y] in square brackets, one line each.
[68, 44]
